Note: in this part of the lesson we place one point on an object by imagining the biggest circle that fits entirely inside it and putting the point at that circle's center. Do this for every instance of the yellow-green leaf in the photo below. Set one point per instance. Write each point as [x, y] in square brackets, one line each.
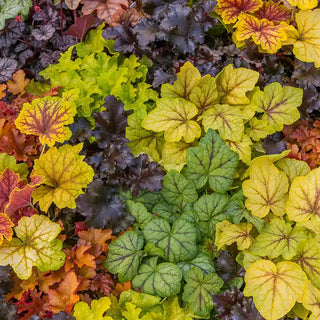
[304, 4]
[311, 301]
[242, 147]
[258, 129]
[187, 79]
[304, 197]
[278, 105]
[65, 174]
[266, 189]
[174, 117]
[228, 233]
[274, 288]
[35, 245]
[47, 117]
[278, 238]
[226, 119]
[235, 83]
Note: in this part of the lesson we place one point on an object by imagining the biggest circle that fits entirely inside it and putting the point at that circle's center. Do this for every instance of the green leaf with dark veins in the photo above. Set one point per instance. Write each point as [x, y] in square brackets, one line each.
[139, 211]
[198, 291]
[178, 241]
[124, 255]
[211, 162]
[162, 280]
[166, 210]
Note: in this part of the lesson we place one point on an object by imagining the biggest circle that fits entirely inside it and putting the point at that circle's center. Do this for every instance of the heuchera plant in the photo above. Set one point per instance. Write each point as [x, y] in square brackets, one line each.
[230, 103]
[281, 257]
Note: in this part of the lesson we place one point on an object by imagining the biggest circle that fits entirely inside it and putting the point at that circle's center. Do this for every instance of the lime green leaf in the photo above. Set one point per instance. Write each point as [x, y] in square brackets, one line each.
[187, 79]
[266, 189]
[211, 162]
[278, 105]
[124, 255]
[311, 301]
[178, 242]
[248, 259]
[278, 238]
[139, 211]
[174, 117]
[235, 83]
[177, 189]
[173, 311]
[166, 210]
[198, 291]
[82, 311]
[275, 288]
[65, 174]
[242, 148]
[226, 119]
[9, 162]
[303, 202]
[293, 168]
[35, 245]
[258, 129]
[228, 233]
[162, 280]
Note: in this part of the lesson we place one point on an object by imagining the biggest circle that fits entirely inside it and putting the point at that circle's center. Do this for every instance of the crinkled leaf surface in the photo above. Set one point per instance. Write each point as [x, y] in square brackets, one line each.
[124, 255]
[274, 288]
[174, 117]
[47, 118]
[82, 311]
[65, 174]
[173, 310]
[178, 242]
[304, 197]
[266, 189]
[161, 279]
[235, 83]
[211, 162]
[199, 289]
[35, 245]
[5, 227]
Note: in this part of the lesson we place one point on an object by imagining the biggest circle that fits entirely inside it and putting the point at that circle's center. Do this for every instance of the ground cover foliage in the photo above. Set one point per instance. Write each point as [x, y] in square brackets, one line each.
[159, 159]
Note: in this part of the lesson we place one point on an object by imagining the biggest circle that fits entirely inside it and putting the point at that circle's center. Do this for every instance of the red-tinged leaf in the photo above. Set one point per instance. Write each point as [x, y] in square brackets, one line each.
[102, 282]
[24, 212]
[8, 182]
[63, 299]
[33, 303]
[105, 8]
[275, 12]
[82, 26]
[5, 227]
[230, 10]
[263, 32]
[21, 198]
[80, 226]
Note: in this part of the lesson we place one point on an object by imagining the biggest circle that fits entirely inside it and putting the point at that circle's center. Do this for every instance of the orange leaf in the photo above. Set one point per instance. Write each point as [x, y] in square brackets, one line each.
[17, 86]
[2, 88]
[5, 227]
[97, 237]
[230, 10]
[121, 287]
[64, 298]
[263, 32]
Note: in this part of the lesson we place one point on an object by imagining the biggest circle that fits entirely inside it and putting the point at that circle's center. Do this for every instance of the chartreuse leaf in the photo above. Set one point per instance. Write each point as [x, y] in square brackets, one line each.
[82, 311]
[124, 255]
[308, 257]
[275, 288]
[311, 301]
[211, 162]
[174, 117]
[235, 83]
[228, 120]
[177, 189]
[258, 129]
[173, 311]
[35, 245]
[199, 289]
[9, 162]
[278, 238]
[161, 279]
[178, 242]
[266, 189]
[228, 233]
[304, 197]
[293, 168]
[65, 174]
[242, 148]
[278, 105]
[187, 79]
[139, 211]
[47, 117]
[304, 4]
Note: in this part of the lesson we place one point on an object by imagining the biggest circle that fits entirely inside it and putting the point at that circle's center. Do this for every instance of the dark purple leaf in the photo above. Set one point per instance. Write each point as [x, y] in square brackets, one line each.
[45, 32]
[275, 144]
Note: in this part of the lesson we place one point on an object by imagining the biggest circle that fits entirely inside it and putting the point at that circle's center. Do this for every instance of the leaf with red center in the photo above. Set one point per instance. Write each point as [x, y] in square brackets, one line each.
[5, 227]
[230, 10]
[47, 118]
[102, 282]
[8, 181]
[64, 298]
[275, 12]
[263, 32]
[21, 198]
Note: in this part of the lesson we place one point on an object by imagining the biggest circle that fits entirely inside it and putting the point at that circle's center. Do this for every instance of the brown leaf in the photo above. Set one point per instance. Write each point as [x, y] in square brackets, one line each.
[18, 84]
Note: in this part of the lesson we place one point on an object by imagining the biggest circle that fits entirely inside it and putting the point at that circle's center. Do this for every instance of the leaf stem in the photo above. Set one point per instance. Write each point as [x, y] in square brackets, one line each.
[44, 146]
